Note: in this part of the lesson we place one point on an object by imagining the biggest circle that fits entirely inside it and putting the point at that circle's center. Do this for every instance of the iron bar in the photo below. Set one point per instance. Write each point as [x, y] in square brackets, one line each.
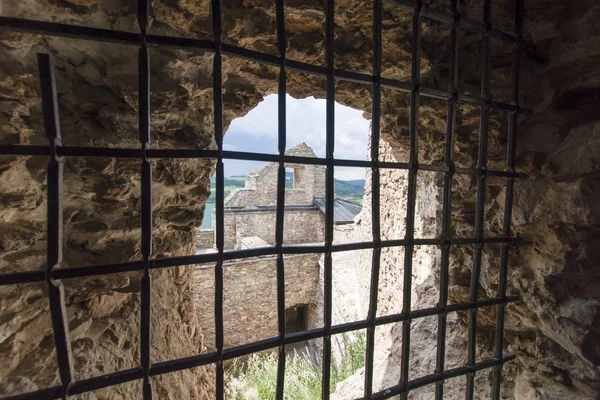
[447, 201]
[56, 291]
[166, 367]
[220, 197]
[411, 196]
[329, 196]
[280, 210]
[128, 38]
[480, 199]
[55, 151]
[508, 202]
[67, 151]
[106, 269]
[146, 196]
[375, 197]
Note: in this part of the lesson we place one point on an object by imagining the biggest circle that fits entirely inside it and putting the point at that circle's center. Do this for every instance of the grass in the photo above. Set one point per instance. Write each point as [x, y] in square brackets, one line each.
[256, 378]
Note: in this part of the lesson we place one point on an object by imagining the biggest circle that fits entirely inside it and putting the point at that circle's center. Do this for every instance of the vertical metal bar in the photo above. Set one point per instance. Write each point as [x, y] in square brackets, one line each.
[146, 173]
[281, 199]
[447, 199]
[510, 186]
[56, 293]
[329, 193]
[219, 214]
[411, 196]
[375, 196]
[480, 200]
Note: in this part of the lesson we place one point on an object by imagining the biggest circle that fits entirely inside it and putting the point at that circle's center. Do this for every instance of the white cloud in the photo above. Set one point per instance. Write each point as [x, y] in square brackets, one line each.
[305, 122]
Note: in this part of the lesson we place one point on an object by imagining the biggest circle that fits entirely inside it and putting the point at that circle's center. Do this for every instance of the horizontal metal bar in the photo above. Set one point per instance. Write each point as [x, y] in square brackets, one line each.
[79, 272]
[102, 381]
[183, 363]
[94, 270]
[297, 337]
[428, 312]
[53, 392]
[305, 68]
[133, 38]
[353, 77]
[435, 93]
[255, 347]
[396, 85]
[82, 386]
[24, 150]
[350, 326]
[251, 55]
[69, 31]
[180, 43]
[182, 153]
[81, 32]
[111, 152]
[447, 17]
[438, 377]
[15, 278]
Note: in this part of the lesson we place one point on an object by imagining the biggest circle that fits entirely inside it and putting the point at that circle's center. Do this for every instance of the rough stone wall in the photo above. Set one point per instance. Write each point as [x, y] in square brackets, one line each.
[300, 226]
[553, 331]
[250, 296]
[101, 203]
[205, 239]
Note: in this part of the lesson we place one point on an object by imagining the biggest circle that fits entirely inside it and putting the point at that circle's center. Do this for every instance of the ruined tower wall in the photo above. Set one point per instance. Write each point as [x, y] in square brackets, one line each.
[300, 226]
[250, 296]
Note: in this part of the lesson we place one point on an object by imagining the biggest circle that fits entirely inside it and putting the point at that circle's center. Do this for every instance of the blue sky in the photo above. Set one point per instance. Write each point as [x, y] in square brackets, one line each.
[257, 132]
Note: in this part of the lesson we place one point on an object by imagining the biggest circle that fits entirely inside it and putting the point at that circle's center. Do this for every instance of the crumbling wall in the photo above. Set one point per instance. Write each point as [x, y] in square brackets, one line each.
[205, 239]
[250, 296]
[261, 185]
[300, 226]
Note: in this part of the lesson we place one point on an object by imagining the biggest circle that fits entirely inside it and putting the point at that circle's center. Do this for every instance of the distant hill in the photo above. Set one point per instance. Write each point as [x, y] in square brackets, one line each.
[356, 182]
[352, 190]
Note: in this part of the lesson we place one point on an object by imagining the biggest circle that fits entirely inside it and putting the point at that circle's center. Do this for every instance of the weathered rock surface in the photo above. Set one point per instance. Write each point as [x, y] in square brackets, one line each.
[554, 331]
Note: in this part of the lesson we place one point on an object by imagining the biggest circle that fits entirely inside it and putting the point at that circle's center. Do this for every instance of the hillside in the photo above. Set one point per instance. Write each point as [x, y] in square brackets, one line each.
[352, 190]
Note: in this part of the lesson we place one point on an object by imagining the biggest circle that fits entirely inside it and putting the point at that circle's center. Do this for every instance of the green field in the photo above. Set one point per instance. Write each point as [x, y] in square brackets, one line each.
[350, 190]
[230, 184]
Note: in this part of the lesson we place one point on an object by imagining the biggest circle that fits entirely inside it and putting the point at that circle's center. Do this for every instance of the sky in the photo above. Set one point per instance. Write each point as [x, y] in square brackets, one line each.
[257, 132]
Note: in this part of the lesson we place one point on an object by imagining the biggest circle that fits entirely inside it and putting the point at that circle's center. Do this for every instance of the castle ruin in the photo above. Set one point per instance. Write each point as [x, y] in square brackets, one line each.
[250, 295]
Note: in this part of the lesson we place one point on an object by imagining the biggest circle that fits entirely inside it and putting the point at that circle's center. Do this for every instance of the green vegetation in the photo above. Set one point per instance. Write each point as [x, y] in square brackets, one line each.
[230, 184]
[256, 378]
[350, 190]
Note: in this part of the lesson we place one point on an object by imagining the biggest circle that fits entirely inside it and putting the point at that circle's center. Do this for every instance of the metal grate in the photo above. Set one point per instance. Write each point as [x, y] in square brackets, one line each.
[56, 151]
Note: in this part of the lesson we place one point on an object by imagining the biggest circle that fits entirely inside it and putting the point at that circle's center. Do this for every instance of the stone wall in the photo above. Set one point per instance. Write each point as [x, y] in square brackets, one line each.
[97, 98]
[553, 329]
[300, 226]
[261, 185]
[205, 239]
[250, 296]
